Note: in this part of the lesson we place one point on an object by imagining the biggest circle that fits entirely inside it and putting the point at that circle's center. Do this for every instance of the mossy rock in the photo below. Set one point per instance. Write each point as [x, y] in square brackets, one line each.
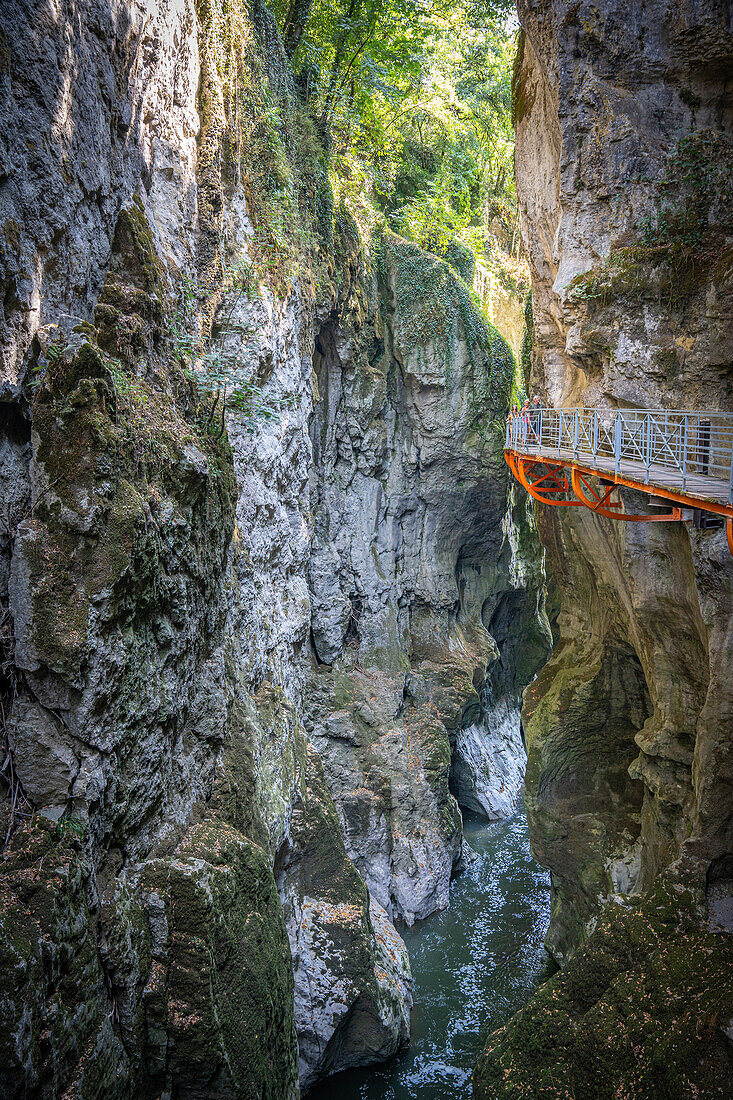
[228, 994]
[55, 1014]
[109, 450]
[639, 1010]
[433, 312]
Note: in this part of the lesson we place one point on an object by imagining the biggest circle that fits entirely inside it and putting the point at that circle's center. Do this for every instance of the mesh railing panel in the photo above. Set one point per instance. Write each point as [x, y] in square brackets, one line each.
[679, 446]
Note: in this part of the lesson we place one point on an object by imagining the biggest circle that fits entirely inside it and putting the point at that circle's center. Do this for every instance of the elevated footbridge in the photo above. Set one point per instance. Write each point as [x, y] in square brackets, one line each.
[576, 458]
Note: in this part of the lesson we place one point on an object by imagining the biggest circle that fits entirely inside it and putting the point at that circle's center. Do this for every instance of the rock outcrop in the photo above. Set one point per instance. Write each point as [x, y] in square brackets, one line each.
[252, 555]
[411, 558]
[637, 1010]
[624, 163]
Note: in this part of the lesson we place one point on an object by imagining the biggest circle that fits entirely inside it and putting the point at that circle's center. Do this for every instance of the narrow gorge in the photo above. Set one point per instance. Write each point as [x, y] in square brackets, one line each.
[276, 616]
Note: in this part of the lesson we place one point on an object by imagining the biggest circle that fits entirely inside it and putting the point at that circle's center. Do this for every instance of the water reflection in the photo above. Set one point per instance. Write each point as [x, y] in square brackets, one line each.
[473, 966]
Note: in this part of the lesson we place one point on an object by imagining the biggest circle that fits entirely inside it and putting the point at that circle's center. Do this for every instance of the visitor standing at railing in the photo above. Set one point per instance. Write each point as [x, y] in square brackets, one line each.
[536, 416]
[525, 416]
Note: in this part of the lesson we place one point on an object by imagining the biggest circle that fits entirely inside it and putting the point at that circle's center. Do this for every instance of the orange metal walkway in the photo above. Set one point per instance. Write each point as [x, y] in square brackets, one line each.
[577, 457]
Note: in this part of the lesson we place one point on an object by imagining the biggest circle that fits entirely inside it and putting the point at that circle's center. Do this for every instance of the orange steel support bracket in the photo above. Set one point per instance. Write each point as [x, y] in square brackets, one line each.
[554, 480]
[602, 506]
[687, 500]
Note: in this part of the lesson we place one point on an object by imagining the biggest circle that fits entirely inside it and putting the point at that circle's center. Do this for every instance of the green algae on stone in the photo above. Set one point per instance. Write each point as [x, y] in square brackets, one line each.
[255, 136]
[639, 1011]
[682, 240]
[261, 761]
[53, 980]
[333, 937]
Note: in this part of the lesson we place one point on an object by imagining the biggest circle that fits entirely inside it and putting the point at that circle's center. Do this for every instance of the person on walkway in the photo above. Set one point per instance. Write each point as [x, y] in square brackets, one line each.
[525, 414]
[513, 422]
[535, 409]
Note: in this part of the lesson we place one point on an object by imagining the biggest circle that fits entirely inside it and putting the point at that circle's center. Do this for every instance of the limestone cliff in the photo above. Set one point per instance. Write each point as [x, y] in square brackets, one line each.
[624, 163]
[413, 563]
[257, 557]
[155, 585]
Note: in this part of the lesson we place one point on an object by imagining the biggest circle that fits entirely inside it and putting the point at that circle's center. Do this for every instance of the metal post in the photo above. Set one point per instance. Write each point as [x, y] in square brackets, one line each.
[648, 445]
[576, 425]
[559, 431]
[666, 443]
[684, 452]
[617, 442]
[539, 431]
[595, 438]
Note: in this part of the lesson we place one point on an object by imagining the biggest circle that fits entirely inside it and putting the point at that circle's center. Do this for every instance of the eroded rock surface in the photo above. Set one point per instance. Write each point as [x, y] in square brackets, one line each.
[622, 319]
[624, 165]
[643, 1007]
[237, 641]
[150, 703]
[412, 556]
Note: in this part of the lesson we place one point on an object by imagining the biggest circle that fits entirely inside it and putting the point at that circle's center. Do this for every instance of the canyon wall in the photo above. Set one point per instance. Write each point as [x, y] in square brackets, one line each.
[414, 557]
[625, 169]
[267, 600]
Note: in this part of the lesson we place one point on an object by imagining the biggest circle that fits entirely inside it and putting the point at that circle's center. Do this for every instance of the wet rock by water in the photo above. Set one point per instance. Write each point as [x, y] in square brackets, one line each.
[473, 966]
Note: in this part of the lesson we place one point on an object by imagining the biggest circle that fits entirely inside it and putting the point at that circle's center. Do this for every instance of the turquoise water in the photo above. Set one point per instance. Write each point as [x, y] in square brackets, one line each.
[473, 966]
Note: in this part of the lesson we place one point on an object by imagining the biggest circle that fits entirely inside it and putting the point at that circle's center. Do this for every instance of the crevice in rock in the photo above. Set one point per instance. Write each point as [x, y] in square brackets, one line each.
[719, 894]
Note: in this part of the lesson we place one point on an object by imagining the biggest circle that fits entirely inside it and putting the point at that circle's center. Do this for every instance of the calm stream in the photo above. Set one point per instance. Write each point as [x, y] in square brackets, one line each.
[473, 966]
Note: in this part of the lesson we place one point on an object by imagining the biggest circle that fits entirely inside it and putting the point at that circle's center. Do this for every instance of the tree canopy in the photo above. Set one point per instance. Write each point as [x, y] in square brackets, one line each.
[414, 97]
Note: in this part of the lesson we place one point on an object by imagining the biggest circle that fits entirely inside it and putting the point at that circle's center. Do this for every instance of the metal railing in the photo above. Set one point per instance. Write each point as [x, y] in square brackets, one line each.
[666, 447]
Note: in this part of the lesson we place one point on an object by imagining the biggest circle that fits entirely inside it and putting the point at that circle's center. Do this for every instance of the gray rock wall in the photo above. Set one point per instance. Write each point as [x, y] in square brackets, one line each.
[237, 644]
[413, 553]
[624, 164]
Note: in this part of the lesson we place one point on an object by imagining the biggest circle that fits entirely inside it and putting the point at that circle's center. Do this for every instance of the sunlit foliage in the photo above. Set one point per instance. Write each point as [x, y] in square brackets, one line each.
[414, 99]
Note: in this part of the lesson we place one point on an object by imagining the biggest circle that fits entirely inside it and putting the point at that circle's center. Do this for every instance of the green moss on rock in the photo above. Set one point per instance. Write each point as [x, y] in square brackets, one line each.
[639, 1011]
[52, 978]
[680, 244]
[227, 1003]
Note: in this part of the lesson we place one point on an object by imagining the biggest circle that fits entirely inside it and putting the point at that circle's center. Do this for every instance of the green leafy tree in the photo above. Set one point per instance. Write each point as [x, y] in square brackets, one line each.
[417, 94]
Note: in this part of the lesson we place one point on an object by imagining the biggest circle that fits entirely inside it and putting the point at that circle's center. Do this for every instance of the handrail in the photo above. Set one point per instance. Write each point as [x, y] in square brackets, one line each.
[677, 449]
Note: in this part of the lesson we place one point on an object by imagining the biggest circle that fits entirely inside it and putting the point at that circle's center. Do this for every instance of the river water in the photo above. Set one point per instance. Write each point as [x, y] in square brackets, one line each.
[472, 966]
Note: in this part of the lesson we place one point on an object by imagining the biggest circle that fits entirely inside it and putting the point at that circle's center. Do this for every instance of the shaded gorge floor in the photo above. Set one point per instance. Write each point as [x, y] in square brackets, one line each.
[473, 966]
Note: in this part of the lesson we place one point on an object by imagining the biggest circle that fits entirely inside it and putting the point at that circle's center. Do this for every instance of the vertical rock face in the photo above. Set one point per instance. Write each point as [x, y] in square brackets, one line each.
[410, 561]
[624, 168]
[238, 644]
[490, 758]
[155, 587]
[624, 163]
[623, 154]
